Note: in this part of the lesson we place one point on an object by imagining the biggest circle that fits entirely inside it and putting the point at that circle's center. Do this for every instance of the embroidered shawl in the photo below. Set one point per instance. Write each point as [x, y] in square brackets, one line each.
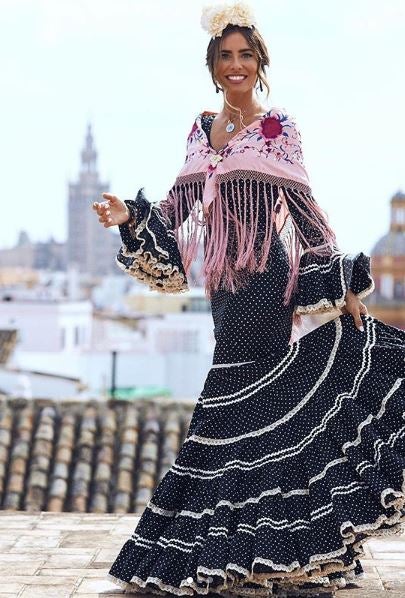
[266, 154]
[234, 200]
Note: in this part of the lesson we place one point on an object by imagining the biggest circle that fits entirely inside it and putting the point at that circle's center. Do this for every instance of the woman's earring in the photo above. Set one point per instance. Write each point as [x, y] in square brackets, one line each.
[260, 85]
[216, 88]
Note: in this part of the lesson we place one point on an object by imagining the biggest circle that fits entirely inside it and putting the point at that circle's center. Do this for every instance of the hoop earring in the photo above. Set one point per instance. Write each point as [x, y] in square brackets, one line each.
[217, 90]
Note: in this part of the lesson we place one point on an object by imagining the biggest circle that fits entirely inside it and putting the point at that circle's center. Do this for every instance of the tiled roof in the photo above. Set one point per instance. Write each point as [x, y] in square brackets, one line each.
[8, 339]
[87, 457]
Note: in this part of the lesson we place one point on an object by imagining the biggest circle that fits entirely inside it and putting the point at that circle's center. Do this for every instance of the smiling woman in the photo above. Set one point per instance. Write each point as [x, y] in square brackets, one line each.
[295, 453]
[237, 61]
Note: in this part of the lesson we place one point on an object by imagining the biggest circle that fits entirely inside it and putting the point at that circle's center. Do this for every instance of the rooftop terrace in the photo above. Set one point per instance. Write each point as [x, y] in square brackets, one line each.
[69, 554]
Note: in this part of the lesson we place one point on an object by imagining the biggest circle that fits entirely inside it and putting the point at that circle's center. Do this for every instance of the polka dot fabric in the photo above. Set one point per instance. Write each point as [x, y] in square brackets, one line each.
[294, 456]
[149, 251]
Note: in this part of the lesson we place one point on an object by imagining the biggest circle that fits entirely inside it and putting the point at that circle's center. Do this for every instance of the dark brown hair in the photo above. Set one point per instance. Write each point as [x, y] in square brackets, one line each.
[256, 43]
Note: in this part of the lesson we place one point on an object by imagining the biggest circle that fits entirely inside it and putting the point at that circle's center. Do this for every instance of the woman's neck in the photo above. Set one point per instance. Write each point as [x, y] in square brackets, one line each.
[246, 103]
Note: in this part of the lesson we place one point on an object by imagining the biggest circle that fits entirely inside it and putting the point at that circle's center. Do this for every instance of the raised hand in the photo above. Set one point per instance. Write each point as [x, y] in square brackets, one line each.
[111, 212]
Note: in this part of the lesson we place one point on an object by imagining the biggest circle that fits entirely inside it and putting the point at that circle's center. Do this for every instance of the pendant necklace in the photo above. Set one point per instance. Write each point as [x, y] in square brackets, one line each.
[230, 126]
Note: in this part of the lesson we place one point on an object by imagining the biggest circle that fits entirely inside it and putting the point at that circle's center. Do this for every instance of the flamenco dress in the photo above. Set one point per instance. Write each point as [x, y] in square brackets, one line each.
[295, 453]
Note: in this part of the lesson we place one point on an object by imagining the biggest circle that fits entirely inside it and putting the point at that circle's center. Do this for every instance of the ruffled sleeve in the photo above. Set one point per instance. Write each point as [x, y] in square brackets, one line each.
[149, 249]
[323, 280]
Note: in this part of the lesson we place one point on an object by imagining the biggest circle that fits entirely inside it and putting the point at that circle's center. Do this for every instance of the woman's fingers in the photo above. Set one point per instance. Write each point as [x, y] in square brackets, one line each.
[356, 308]
[112, 211]
[102, 208]
[363, 309]
[110, 197]
[355, 311]
[358, 321]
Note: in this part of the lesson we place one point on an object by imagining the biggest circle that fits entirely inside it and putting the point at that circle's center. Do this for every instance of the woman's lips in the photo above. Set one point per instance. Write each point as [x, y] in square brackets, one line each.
[236, 79]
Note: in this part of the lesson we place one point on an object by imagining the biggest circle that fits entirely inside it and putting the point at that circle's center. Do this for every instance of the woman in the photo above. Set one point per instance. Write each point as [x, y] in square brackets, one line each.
[295, 453]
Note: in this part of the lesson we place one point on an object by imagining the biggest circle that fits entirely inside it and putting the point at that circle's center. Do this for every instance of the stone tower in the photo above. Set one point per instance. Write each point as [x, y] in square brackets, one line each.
[91, 248]
[388, 268]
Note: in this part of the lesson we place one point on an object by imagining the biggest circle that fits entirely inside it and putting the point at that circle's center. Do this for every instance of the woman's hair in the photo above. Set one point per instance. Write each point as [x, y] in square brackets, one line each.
[255, 42]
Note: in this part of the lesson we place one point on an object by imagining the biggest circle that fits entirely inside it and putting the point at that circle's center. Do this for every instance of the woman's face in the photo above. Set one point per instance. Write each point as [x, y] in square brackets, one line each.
[237, 65]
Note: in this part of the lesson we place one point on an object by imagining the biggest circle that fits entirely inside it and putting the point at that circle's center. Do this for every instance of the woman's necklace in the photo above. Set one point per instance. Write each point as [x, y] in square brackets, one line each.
[230, 126]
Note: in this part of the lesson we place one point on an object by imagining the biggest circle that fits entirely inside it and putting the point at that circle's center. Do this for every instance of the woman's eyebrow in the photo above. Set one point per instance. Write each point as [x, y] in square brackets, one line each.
[244, 50]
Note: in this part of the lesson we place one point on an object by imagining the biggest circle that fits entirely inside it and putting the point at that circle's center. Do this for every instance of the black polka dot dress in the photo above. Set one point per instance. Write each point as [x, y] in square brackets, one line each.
[295, 453]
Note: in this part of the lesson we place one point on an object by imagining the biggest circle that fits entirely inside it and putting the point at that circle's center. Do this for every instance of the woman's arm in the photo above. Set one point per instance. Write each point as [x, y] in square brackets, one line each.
[343, 280]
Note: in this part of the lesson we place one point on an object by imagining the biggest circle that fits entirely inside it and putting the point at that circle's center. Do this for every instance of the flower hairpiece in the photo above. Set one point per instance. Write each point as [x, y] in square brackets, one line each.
[214, 19]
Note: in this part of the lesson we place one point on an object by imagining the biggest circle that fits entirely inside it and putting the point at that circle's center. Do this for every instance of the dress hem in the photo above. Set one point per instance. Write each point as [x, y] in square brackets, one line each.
[298, 576]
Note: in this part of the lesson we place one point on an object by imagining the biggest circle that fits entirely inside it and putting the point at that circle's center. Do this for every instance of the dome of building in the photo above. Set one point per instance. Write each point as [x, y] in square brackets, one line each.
[388, 268]
[392, 244]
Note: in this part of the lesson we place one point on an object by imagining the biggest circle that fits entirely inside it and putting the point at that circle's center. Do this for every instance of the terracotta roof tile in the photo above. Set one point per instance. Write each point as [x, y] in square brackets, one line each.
[8, 340]
[96, 457]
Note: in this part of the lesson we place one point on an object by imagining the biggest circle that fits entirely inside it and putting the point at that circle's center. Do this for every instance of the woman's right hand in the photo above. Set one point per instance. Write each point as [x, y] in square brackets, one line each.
[111, 212]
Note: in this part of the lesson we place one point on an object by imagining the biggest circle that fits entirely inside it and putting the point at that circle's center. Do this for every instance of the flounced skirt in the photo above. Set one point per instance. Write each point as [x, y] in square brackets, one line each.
[290, 463]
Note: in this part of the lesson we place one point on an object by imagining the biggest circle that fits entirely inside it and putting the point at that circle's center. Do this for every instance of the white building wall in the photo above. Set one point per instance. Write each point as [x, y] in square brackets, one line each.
[182, 373]
[40, 324]
[180, 332]
[174, 351]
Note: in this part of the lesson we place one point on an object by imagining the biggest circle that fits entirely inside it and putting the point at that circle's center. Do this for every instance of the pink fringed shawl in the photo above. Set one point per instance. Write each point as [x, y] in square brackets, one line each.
[212, 200]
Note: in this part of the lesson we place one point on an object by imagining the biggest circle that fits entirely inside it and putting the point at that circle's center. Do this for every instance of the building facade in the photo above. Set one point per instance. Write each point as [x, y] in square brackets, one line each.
[388, 268]
[44, 255]
[91, 248]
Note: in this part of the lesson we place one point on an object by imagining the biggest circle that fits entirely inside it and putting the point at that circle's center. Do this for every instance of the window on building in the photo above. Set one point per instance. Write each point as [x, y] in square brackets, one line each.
[387, 286]
[399, 215]
[399, 290]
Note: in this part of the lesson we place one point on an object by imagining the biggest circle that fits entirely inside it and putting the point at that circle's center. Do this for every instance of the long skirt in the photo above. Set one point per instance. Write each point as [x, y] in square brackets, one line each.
[291, 462]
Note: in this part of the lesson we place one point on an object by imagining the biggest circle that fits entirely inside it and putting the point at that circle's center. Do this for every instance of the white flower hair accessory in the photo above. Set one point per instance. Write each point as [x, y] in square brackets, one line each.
[214, 19]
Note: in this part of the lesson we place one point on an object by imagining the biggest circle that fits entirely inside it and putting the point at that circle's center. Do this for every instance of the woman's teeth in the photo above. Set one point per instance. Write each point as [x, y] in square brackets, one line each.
[236, 77]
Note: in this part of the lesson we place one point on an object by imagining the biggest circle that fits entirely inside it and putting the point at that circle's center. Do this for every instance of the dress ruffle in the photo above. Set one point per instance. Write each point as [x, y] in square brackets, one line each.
[149, 250]
[289, 464]
[323, 281]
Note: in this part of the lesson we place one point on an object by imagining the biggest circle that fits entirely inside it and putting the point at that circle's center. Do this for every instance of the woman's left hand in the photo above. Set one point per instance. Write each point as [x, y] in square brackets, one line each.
[355, 307]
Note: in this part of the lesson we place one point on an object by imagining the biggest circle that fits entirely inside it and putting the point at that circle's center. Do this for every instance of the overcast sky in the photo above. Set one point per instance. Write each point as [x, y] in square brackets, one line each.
[136, 71]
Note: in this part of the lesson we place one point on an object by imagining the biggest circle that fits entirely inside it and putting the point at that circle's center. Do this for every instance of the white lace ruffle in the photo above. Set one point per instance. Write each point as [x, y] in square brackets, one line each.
[159, 276]
[318, 569]
[325, 305]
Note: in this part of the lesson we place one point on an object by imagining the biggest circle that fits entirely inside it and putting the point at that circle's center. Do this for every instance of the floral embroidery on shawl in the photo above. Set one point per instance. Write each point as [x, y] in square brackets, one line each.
[234, 201]
[260, 137]
[260, 163]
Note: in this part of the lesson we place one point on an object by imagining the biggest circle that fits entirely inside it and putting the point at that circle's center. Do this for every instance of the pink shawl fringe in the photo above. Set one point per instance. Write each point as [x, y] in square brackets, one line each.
[233, 249]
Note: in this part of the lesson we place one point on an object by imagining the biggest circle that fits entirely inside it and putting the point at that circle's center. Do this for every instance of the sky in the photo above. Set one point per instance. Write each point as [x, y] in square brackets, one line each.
[136, 71]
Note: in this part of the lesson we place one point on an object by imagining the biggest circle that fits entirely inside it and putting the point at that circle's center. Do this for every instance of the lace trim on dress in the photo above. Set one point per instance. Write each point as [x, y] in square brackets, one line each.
[329, 282]
[318, 569]
[287, 416]
[141, 254]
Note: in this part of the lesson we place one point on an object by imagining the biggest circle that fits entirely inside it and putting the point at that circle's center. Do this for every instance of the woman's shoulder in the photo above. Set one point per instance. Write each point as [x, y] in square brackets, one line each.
[200, 121]
[286, 119]
[281, 112]
[206, 115]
